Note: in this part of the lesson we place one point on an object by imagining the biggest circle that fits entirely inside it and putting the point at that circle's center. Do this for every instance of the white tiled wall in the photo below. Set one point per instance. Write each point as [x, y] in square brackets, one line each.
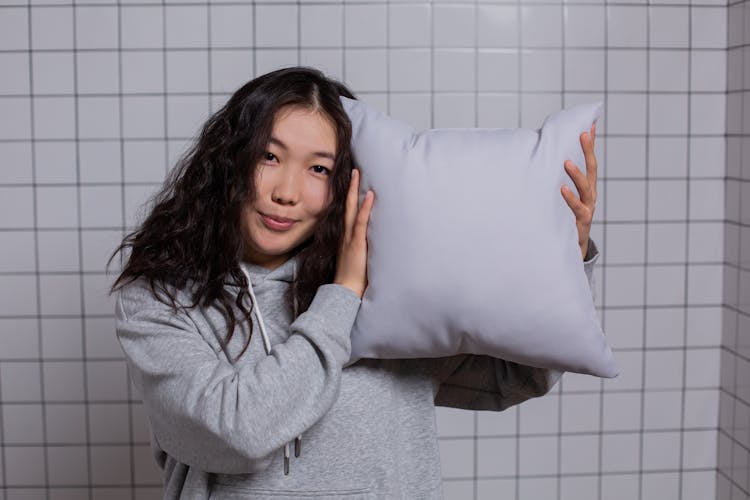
[734, 400]
[98, 99]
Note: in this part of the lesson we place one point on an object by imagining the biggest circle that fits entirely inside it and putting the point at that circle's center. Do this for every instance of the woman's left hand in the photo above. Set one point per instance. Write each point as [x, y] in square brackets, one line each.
[583, 208]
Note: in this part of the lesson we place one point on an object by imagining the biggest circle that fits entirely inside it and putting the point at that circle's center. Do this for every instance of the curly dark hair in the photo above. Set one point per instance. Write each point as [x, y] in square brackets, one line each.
[192, 235]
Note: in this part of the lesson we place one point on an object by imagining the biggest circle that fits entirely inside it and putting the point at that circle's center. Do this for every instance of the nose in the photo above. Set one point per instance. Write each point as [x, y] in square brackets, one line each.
[286, 187]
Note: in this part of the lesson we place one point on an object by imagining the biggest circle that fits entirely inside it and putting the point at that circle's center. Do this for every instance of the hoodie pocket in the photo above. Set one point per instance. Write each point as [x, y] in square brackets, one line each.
[230, 492]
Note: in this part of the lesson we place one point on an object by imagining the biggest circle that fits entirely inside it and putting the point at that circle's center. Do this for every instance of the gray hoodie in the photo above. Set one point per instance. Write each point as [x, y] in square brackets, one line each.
[220, 423]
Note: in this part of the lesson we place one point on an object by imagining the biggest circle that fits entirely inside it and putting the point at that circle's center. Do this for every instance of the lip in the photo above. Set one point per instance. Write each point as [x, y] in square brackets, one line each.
[276, 223]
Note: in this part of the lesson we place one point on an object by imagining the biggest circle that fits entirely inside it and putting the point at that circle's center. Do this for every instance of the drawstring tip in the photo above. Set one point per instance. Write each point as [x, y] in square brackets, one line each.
[286, 459]
[298, 446]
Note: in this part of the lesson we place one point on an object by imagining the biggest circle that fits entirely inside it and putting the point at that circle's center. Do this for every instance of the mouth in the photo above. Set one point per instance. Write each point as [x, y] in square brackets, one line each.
[276, 223]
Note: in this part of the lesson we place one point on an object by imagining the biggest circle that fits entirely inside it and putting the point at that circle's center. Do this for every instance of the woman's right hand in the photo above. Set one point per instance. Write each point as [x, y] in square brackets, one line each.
[351, 265]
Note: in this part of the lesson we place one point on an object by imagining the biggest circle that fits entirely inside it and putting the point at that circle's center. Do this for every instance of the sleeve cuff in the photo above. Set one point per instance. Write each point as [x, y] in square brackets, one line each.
[592, 253]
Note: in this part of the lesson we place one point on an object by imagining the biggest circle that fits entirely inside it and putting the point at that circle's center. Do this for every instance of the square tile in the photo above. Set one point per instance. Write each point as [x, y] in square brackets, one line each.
[65, 423]
[63, 381]
[54, 118]
[627, 113]
[96, 297]
[414, 109]
[101, 206]
[16, 163]
[18, 296]
[541, 70]
[664, 369]
[445, 18]
[187, 71]
[711, 31]
[186, 115]
[667, 200]
[580, 412]
[668, 70]
[498, 70]
[67, 465]
[99, 161]
[409, 25]
[453, 422]
[620, 486]
[539, 415]
[57, 207]
[454, 70]
[666, 242]
[52, 72]
[60, 293]
[584, 25]
[98, 72]
[498, 111]
[20, 382]
[267, 60]
[142, 72]
[186, 26]
[662, 409]
[456, 457]
[622, 412]
[579, 488]
[58, 251]
[584, 70]
[97, 27]
[667, 113]
[143, 117]
[101, 341]
[365, 25]
[708, 70]
[669, 26]
[625, 156]
[626, 26]
[620, 453]
[142, 26]
[52, 27]
[661, 486]
[496, 457]
[61, 338]
[230, 69]
[231, 26]
[110, 465]
[537, 455]
[709, 113]
[410, 70]
[329, 61]
[14, 29]
[454, 110]
[579, 454]
[624, 328]
[22, 424]
[705, 284]
[55, 162]
[624, 286]
[109, 423]
[24, 466]
[146, 471]
[98, 117]
[15, 118]
[541, 25]
[107, 380]
[17, 252]
[19, 338]
[502, 423]
[365, 69]
[275, 25]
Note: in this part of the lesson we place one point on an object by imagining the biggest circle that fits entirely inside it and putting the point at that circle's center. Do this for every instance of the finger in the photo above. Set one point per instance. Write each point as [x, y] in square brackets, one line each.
[352, 198]
[593, 134]
[579, 209]
[580, 181]
[587, 144]
[363, 217]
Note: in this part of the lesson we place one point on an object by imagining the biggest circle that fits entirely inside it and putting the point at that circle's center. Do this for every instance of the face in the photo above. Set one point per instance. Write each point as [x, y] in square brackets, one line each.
[292, 186]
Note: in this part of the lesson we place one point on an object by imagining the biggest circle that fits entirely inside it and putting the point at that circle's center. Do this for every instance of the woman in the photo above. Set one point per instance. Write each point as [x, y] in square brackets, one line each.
[259, 231]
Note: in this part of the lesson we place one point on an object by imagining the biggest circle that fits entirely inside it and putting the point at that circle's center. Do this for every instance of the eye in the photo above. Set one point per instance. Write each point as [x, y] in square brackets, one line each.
[320, 169]
[270, 157]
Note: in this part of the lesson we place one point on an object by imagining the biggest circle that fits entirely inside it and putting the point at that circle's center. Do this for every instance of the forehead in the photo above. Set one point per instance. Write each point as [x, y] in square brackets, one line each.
[302, 126]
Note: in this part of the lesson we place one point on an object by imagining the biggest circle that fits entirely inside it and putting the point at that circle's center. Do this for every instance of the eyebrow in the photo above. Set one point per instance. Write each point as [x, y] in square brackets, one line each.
[323, 154]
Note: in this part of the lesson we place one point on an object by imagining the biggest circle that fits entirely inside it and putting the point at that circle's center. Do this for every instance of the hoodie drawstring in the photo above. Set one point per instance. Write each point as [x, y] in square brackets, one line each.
[267, 346]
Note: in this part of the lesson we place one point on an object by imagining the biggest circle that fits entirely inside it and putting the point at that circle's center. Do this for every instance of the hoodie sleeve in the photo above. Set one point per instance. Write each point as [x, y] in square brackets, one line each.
[479, 382]
[224, 418]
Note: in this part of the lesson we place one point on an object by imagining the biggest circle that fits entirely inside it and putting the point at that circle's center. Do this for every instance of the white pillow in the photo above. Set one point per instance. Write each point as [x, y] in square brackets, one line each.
[472, 248]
